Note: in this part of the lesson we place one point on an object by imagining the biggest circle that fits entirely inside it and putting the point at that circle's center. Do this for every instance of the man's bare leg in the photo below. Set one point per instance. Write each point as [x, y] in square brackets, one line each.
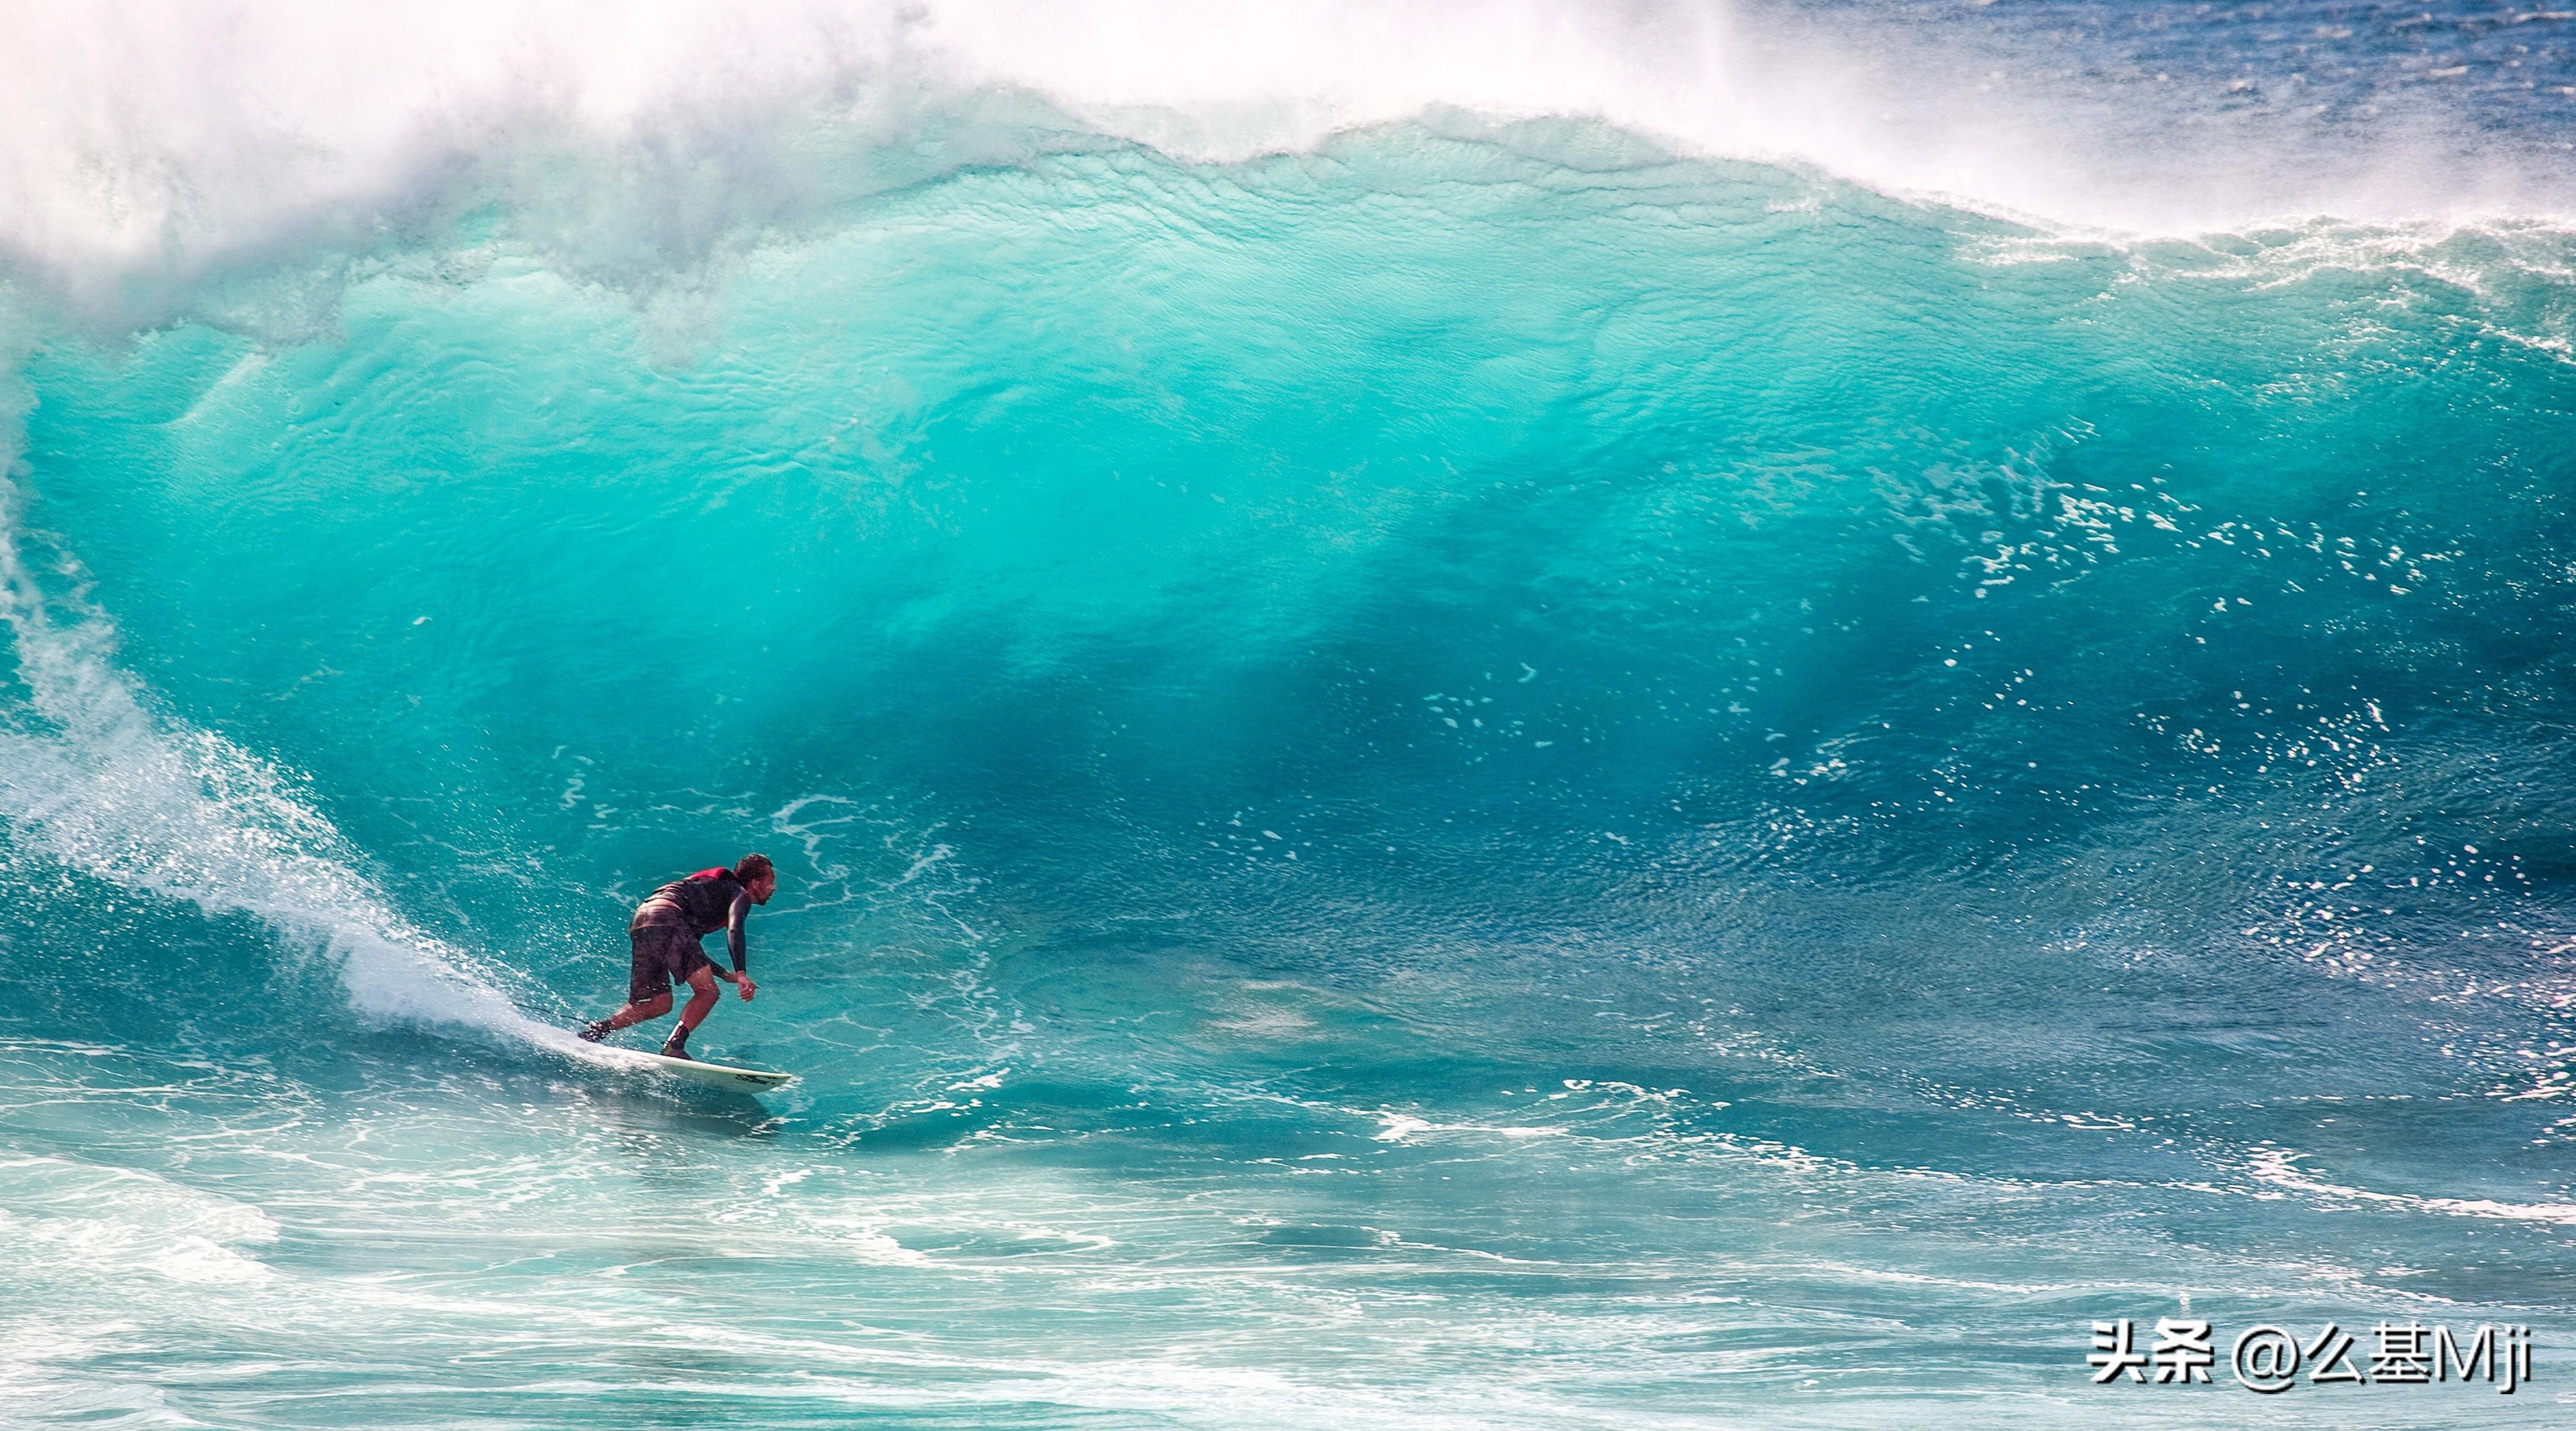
[631, 1015]
[702, 1001]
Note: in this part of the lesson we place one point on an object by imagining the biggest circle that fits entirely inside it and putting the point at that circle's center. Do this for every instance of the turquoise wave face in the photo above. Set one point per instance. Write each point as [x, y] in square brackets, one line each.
[1503, 780]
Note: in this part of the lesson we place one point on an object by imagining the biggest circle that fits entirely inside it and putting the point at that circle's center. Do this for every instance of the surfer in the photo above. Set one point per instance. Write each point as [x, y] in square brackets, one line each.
[665, 932]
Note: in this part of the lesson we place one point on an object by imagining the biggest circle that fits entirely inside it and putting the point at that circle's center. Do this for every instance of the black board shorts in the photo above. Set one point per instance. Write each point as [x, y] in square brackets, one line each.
[663, 953]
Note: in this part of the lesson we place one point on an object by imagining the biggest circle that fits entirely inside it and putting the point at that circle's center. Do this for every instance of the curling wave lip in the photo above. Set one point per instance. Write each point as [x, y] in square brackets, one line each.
[148, 150]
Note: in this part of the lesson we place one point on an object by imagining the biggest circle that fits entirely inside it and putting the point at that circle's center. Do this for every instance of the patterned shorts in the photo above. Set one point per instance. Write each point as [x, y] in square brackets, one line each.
[663, 953]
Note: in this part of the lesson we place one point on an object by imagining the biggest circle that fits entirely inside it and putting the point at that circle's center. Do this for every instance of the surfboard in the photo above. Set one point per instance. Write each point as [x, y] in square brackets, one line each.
[714, 1075]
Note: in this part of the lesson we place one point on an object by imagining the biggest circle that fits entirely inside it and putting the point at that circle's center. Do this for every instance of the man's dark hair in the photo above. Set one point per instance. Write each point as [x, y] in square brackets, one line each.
[753, 867]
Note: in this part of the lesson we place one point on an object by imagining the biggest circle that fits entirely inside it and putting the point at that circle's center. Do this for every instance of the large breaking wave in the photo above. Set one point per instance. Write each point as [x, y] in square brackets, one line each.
[1388, 649]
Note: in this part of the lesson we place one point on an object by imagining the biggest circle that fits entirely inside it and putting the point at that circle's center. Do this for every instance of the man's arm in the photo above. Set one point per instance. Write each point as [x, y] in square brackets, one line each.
[737, 945]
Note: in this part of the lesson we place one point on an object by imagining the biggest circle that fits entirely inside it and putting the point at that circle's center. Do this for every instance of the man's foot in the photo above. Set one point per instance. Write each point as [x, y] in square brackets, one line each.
[677, 1046]
[595, 1032]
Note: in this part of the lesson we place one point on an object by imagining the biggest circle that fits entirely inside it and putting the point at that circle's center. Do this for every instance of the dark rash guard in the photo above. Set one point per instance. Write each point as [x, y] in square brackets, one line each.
[702, 904]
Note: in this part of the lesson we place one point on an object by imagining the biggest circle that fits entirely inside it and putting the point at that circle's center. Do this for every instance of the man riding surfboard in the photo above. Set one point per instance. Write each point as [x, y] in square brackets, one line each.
[665, 933]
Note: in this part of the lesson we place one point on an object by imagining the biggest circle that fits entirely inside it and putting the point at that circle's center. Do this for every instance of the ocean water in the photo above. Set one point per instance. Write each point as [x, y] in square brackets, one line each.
[1474, 717]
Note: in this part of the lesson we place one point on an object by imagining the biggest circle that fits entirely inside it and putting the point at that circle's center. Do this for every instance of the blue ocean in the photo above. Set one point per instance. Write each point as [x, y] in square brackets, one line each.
[1513, 716]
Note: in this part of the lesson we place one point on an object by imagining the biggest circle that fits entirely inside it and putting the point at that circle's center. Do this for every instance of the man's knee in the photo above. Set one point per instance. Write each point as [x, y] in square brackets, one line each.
[654, 1007]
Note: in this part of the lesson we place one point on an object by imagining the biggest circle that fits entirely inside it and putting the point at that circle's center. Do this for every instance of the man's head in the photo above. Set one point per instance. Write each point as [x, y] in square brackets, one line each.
[759, 877]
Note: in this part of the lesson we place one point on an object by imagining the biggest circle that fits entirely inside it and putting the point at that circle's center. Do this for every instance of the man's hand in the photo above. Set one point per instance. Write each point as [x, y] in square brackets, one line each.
[748, 988]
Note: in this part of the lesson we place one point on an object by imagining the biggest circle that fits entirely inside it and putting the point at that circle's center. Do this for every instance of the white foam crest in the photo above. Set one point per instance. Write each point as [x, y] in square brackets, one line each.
[146, 142]
[119, 1223]
[99, 783]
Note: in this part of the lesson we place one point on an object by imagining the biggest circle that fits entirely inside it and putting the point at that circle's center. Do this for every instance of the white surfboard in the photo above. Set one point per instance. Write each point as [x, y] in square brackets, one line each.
[714, 1075]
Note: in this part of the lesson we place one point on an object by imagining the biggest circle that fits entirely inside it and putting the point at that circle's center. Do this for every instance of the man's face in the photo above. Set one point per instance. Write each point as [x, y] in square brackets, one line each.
[762, 888]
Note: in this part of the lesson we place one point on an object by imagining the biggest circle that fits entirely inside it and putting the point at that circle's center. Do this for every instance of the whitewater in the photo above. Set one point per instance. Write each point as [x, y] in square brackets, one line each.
[1522, 715]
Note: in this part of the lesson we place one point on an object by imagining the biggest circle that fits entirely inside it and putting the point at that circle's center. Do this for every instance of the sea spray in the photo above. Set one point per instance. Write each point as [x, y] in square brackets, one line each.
[89, 777]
